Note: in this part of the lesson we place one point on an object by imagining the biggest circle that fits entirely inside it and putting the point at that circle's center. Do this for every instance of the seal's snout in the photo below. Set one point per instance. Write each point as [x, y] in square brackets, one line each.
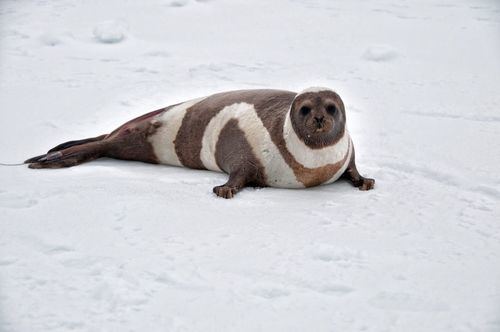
[320, 120]
[323, 127]
[320, 124]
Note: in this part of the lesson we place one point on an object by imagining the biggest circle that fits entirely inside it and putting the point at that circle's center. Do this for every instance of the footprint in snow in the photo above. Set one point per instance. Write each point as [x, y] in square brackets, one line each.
[406, 302]
[380, 53]
[343, 257]
[171, 279]
[49, 39]
[331, 289]
[49, 248]
[16, 201]
[178, 3]
[270, 292]
[159, 53]
[58, 249]
[182, 3]
[6, 261]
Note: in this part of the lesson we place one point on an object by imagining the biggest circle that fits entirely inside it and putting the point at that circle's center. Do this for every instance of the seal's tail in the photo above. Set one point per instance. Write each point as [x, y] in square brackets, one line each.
[71, 153]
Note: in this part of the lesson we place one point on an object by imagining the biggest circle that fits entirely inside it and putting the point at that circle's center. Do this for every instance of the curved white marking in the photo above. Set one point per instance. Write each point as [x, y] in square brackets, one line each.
[341, 171]
[278, 172]
[314, 89]
[312, 158]
[163, 140]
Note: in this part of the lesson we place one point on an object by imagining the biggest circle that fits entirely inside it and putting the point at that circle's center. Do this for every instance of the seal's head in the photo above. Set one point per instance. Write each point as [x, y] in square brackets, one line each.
[318, 117]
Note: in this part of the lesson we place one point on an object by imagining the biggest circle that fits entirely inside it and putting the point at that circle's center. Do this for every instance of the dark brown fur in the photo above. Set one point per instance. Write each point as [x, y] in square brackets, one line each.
[234, 156]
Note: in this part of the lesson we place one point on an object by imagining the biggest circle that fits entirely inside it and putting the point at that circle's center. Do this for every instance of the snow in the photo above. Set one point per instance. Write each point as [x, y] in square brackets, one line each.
[124, 246]
[380, 53]
[110, 32]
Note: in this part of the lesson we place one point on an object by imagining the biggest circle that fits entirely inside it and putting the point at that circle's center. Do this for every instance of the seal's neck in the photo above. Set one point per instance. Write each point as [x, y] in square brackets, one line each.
[310, 157]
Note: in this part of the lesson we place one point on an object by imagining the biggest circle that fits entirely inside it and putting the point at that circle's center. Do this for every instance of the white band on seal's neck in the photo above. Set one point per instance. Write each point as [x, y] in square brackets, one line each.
[312, 158]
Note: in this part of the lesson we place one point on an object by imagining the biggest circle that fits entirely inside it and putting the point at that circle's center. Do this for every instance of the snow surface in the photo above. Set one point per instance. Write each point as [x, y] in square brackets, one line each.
[124, 246]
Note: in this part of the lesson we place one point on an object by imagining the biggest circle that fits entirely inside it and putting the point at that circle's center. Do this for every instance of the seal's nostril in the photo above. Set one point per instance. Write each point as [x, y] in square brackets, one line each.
[319, 119]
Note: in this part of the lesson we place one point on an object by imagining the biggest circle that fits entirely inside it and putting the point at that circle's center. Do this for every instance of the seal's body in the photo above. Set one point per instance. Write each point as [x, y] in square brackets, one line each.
[259, 137]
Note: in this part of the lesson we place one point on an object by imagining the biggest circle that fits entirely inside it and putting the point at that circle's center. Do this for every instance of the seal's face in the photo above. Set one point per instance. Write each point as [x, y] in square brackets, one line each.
[318, 118]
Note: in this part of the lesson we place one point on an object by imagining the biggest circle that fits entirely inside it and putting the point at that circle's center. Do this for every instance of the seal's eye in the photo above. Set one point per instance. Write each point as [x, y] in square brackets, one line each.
[304, 110]
[331, 109]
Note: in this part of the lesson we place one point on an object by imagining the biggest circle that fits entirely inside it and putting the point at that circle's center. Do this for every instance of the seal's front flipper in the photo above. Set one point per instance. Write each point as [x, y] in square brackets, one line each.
[357, 180]
[352, 174]
[68, 157]
[364, 183]
[237, 181]
[226, 191]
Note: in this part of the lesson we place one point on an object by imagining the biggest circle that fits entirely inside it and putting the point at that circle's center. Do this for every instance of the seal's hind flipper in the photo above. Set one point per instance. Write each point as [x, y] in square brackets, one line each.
[71, 156]
[77, 142]
[34, 159]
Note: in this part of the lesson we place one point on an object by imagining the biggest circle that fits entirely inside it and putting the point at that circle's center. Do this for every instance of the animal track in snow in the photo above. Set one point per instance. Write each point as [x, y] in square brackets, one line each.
[343, 257]
[180, 280]
[52, 248]
[158, 53]
[178, 3]
[270, 292]
[183, 3]
[380, 53]
[49, 39]
[406, 302]
[332, 289]
[322, 218]
[5, 261]
[16, 201]
[58, 249]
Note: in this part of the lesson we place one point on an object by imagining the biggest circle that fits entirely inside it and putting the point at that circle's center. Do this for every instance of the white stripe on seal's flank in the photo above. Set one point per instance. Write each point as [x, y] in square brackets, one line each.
[278, 173]
[313, 158]
[163, 140]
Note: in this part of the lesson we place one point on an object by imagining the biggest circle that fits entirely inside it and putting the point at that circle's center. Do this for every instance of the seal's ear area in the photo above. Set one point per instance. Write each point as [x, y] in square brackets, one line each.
[302, 107]
[303, 103]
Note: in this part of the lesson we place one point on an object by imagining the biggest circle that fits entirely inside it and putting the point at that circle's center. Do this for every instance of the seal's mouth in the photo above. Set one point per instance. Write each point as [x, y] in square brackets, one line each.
[321, 126]
[319, 129]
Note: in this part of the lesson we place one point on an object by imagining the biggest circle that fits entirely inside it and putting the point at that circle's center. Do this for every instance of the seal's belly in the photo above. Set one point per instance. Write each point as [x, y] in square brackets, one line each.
[188, 136]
